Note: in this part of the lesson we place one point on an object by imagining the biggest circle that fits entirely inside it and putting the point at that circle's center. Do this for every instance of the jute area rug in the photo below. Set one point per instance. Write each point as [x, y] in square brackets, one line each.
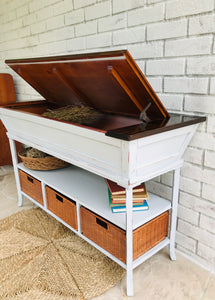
[42, 259]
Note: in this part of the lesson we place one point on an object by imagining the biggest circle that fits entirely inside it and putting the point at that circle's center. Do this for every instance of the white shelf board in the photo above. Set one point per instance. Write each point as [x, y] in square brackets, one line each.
[90, 190]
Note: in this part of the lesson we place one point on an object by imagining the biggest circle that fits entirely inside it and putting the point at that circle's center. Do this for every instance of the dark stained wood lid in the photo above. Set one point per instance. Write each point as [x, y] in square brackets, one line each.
[143, 129]
[108, 81]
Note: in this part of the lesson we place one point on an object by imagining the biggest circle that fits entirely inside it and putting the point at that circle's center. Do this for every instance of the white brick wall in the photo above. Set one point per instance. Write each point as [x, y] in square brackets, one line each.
[197, 204]
[202, 24]
[188, 215]
[186, 242]
[146, 15]
[173, 43]
[112, 23]
[83, 3]
[194, 155]
[205, 104]
[209, 159]
[74, 17]
[181, 8]
[172, 101]
[99, 40]
[119, 5]
[189, 46]
[186, 85]
[207, 223]
[199, 234]
[208, 192]
[166, 30]
[172, 66]
[212, 86]
[206, 253]
[98, 10]
[85, 29]
[147, 50]
[131, 35]
[201, 65]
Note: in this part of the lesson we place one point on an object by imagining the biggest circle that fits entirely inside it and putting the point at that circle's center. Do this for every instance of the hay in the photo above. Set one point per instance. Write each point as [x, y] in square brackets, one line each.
[73, 113]
[34, 153]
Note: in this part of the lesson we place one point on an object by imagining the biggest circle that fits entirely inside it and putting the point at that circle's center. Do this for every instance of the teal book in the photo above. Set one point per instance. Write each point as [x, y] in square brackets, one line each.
[139, 207]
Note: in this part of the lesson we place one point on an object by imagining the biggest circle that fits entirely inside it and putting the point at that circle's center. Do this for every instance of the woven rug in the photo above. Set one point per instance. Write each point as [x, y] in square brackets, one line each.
[42, 259]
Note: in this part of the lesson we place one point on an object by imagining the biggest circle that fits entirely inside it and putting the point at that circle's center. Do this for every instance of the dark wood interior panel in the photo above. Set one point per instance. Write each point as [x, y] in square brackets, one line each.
[7, 90]
[5, 156]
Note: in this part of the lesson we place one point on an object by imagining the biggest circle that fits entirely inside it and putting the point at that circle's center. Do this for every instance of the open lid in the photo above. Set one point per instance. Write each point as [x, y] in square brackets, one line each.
[109, 81]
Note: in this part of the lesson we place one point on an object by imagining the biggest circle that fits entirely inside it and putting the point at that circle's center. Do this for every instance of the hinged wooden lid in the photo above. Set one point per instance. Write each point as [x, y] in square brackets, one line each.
[110, 82]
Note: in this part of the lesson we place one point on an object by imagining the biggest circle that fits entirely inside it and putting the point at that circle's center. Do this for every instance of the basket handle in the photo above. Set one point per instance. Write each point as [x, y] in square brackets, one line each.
[59, 198]
[102, 223]
[30, 179]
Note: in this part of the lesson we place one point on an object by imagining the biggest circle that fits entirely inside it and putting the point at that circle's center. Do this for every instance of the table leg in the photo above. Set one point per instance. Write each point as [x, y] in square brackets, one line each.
[174, 213]
[15, 162]
[129, 241]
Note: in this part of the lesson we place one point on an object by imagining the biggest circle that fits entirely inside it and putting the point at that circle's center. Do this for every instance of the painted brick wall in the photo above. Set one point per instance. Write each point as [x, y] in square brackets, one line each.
[173, 43]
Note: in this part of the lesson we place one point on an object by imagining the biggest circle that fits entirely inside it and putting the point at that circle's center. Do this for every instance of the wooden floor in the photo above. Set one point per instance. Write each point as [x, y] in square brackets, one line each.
[157, 279]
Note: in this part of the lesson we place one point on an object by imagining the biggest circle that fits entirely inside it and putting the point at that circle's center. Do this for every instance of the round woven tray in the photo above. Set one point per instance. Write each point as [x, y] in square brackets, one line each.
[43, 163]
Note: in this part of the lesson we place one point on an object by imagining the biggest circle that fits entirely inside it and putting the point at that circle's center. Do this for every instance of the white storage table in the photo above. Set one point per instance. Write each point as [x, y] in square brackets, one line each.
[134, 140]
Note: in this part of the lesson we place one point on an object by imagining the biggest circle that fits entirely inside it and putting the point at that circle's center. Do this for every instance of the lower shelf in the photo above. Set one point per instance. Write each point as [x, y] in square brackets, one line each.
[104, 232]
[136, 262]
[90, 191]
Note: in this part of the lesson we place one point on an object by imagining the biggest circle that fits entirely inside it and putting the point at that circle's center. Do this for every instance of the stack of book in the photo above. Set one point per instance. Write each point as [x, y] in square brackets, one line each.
[117, 197]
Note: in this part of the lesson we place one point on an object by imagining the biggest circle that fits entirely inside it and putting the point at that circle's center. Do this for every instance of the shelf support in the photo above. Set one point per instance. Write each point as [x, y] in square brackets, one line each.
[175, 193]
[124, 87]
[78, 206]
[15, 162]
[44, 194]
[129, 240]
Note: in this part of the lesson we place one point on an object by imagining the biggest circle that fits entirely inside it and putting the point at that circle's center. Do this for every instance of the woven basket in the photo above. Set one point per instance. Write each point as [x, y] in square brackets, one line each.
[113, 239]
[43, 163]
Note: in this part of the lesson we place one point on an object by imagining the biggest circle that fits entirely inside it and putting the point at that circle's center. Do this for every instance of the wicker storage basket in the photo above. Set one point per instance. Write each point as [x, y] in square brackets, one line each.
[42, 163]
[31, 186]
[62, 207]
[113, 239]
[103, 233]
